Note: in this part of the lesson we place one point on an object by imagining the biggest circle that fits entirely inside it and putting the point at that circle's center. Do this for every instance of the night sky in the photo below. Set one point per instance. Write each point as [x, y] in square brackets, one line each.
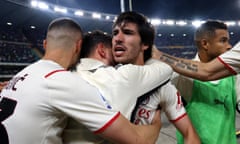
[172, 9]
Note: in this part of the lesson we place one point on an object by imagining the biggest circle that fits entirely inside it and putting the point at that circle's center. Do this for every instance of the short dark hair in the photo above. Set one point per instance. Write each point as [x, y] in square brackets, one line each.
[90, 40]
[145, 29]
[208, 29]
[64, 22]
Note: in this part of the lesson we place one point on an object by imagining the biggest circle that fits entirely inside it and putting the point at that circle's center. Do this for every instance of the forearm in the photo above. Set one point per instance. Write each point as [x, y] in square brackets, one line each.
[191, 137]
[203, 71]
[187, 130]
[182, 66]
[179, 65]
[148, 135]
[150, 132]
[123, 132]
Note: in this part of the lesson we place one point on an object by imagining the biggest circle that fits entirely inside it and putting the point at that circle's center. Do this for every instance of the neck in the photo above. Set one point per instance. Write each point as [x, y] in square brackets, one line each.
[139, 60]
[203, 57]
[62, 60]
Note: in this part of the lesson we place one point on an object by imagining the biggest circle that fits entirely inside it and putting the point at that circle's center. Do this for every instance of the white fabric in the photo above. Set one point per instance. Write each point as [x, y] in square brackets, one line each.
[170, 102]
[46, 96]
[121, 87]
[232, 58]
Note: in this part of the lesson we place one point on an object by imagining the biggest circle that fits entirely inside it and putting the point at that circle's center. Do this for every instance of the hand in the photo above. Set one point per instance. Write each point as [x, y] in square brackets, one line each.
[3, 84]
[156, 53]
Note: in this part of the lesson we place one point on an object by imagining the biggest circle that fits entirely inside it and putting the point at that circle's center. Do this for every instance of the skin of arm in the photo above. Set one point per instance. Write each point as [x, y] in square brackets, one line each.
[121, 131]
[172, 105]
[186, 128]
[2, 84]
[212, 70]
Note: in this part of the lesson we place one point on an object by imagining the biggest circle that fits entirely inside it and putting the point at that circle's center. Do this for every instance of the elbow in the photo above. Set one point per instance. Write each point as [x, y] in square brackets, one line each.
[205, 75]
[204, 78]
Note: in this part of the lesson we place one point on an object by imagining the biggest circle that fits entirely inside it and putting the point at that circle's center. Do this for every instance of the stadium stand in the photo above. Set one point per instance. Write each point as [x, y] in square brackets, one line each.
[16, 51]
[19, 46]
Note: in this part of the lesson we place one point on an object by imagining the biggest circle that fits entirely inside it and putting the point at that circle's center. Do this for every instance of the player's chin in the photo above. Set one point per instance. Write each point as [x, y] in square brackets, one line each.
[121, 60]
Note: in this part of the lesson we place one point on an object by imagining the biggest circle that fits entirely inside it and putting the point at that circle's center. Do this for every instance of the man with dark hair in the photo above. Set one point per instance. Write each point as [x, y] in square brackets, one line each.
[116, 84]
[92, 39]
[132, 42]
[36, 103]
[222, 66]
[122, 85]
[144, 29]
[210, 105]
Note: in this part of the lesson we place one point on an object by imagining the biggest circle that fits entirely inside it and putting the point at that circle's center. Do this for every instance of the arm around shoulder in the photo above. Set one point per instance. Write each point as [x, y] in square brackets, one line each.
[121, 131]
[198, 70]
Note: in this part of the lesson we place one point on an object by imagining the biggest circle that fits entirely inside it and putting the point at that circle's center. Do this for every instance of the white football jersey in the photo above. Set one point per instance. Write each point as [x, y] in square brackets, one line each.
[231, 59]
[121, 87]
[38, 101]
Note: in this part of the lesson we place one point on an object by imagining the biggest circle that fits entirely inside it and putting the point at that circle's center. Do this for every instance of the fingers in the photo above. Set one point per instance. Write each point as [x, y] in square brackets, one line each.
[2, 84]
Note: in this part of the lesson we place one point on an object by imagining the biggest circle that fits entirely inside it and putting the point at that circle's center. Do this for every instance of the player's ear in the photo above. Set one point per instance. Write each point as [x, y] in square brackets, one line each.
[101, 49]
[78, 46]
[145, 46]
[45, 44]
[204, 43]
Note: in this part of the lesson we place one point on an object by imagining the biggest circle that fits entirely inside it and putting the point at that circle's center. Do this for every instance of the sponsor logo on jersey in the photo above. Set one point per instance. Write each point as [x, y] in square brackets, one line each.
[108, 106]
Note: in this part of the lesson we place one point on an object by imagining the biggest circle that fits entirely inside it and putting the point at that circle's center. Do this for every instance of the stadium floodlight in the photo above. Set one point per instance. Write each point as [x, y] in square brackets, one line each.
[172, 35]
[168, 22]
[231, 33]
[184, 35]
[115, 18]
[230, 23]
[34, 3]
[32, 27]
[9, 23]
[107, 17]
[181, 23]
[42, 5]
[112, 17]
[197, 23]
[79, 13]
[159, 35]
[155, 22]
[96, 15]
[59, 9]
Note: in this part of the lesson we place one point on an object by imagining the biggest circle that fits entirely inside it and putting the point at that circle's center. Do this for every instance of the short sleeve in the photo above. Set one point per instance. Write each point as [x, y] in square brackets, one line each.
[172, 102]
[82, 102]
[231, 59]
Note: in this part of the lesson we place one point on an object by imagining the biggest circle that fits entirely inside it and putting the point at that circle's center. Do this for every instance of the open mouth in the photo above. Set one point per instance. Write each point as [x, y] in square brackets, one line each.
[119, 50]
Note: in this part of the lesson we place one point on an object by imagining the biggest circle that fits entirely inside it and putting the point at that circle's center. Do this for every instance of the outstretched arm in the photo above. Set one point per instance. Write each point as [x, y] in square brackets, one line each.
[203, 71]
[186, 128]
[123, 132]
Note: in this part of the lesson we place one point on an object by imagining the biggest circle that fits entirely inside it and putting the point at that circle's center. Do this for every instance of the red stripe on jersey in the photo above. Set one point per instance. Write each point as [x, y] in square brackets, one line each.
[179, 102]
[49, 74]
[107, 124]
[173, 121]
[227, 66]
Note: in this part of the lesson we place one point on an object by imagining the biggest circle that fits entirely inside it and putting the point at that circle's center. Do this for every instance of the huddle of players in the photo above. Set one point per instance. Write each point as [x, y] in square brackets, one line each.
[63, 106]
